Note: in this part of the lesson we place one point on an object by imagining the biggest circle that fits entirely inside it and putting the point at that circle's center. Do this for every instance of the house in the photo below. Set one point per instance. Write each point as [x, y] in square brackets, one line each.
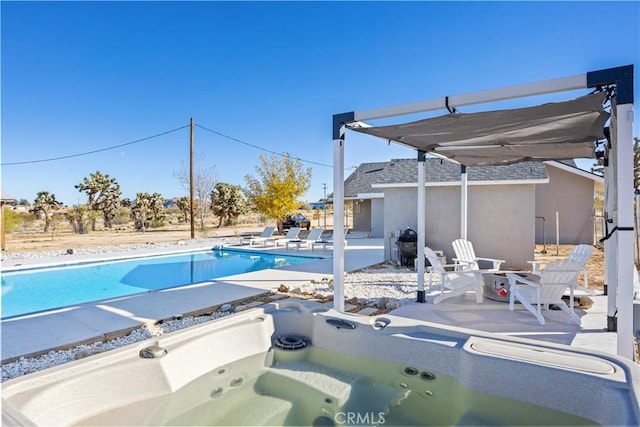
[509, 206]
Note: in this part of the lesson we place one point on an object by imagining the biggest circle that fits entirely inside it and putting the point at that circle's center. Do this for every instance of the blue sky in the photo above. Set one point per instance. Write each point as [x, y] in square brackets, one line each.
[82, 76]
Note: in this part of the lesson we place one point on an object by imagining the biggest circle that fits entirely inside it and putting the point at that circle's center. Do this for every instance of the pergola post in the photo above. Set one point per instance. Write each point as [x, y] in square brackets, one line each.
[421, 225]
[610, 279]
[338, 208]
[622, 137]
[463, 202]
[338, 223]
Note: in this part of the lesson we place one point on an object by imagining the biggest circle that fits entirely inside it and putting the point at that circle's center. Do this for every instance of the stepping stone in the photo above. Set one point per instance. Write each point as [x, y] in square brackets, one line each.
[349, 307]
[277, 297]
[368, 311]
[254, 304]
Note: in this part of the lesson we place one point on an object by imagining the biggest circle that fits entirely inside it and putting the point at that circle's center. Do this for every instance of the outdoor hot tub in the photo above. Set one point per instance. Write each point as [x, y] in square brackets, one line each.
[298, 363]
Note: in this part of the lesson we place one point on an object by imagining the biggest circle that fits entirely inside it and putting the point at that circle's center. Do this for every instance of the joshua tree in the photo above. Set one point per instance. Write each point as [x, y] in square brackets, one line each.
[183, 206]
[43, 207]
[228, 203]
[104, 196]
[79, 217]
[148, 210]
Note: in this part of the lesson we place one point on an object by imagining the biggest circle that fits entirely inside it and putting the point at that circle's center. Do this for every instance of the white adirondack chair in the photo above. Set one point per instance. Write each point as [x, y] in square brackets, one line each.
[457, 282]
[579, 254]
[554, 280]
[466, 257]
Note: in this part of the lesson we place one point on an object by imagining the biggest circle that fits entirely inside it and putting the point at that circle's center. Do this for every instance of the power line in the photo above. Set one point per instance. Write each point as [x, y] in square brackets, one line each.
[258, 147]
[51, 159]
[94, 151]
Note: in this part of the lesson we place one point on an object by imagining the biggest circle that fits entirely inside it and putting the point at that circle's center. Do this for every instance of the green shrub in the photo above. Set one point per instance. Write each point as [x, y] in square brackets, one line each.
[12, 219]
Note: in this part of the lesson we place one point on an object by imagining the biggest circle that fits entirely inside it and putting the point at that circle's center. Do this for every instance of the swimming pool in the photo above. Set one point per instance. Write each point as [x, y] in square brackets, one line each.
[37, 289]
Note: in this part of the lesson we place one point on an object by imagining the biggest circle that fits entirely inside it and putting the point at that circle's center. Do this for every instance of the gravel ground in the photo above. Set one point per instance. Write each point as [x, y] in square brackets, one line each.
[397, 284]
[384, 286]
[106, 250]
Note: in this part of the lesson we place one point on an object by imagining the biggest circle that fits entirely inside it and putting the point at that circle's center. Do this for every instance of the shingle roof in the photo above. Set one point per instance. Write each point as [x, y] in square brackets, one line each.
[405, 171]
[361, 179]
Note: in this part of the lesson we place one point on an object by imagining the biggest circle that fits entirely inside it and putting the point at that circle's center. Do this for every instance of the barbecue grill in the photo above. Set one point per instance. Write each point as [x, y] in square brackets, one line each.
[407, 244]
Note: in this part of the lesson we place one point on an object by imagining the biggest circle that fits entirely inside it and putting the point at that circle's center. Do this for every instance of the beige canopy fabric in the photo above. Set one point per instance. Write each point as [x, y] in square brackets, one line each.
[553, 131]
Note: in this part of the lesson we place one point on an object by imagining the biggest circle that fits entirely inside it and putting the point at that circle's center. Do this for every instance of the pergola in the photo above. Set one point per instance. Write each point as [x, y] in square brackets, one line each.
[553, 131]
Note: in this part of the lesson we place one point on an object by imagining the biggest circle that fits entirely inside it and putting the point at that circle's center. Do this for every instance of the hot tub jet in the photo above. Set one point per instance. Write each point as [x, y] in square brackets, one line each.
[153, 352]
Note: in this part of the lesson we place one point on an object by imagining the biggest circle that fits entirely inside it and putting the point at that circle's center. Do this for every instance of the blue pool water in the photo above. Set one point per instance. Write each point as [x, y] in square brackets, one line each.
[37, 289]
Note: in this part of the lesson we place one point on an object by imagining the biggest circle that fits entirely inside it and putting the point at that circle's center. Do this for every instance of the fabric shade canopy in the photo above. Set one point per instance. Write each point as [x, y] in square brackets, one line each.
[553, 131]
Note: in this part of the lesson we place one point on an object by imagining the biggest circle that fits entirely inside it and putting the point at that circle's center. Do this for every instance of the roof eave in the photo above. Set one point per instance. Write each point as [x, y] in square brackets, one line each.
[575, 170]
[457, 183]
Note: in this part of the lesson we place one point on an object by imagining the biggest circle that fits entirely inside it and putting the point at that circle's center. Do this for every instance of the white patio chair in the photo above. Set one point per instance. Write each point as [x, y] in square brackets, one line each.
[292, 234]
[324, 243]
[312, 237]
[554, 280]
[579, 254]
[466, 257]
[266, 234]
[458, 282]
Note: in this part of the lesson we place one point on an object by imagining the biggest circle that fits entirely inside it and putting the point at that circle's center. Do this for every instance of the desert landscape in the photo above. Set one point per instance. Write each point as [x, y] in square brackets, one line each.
[30, 237]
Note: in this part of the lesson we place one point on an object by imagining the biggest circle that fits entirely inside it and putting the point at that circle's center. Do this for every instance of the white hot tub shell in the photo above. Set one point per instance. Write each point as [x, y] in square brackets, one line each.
[600, 387]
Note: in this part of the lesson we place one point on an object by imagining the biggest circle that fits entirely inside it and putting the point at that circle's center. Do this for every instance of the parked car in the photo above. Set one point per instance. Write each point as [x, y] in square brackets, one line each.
[297, 220]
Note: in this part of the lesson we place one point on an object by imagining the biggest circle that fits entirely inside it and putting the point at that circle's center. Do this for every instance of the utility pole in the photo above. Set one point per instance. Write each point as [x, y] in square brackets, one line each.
[324, 204]
[193, 224]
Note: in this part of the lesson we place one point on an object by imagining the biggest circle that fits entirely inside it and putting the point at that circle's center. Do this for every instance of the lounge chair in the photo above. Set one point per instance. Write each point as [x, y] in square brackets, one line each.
[579, 254]
[312, 237]
[292, 234]
[324, 243]
[554, 280]
[458, 282]
[466, 257]
[266, 233]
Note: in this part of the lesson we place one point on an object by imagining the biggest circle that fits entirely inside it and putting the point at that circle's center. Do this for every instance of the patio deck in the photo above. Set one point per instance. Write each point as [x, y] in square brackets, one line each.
[495, 317]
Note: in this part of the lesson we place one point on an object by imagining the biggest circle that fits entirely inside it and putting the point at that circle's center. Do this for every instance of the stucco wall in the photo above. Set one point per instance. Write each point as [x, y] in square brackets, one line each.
[400, 207]
[572, 196]
[501, 219]
[502, 223]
